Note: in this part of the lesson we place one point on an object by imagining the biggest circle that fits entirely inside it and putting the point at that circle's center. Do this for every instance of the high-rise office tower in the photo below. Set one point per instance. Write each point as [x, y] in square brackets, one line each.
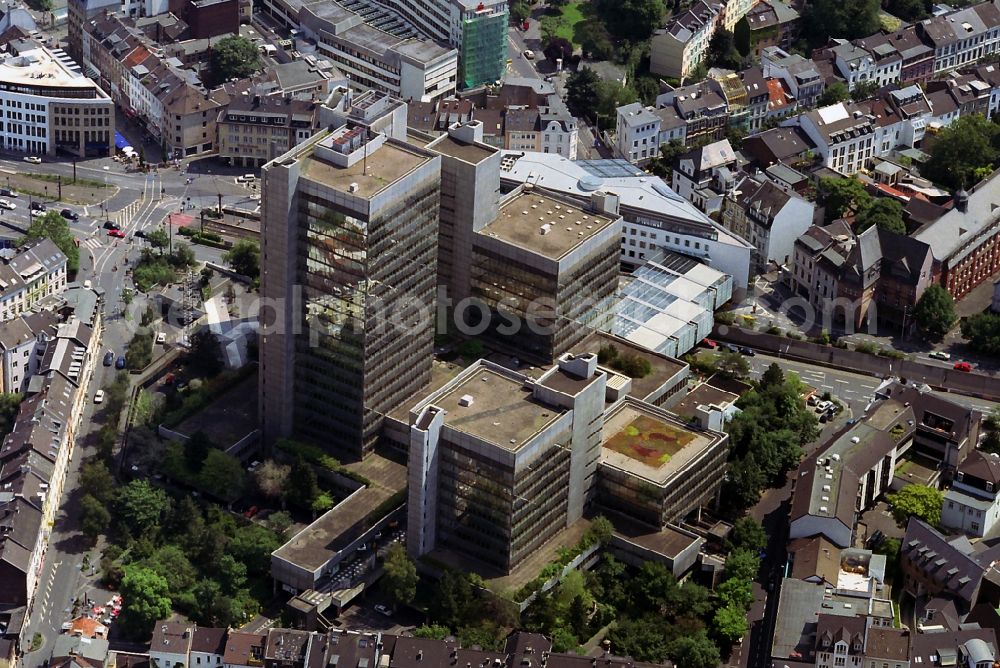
[349, 255]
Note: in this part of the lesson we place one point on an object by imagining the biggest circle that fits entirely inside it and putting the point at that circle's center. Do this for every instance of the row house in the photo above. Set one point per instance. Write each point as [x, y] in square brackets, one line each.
[701, 106]
[676, 50]
[703, 175]
[800, 74]
[856, 64]
[769, 217]
[915, 57]
[772, 23]
[23, 341]
[35, 455]
[29, 276]
[255, 129]
[961, 37]
[638, 133]
[843, 134]
[972, 505]
[544, 129]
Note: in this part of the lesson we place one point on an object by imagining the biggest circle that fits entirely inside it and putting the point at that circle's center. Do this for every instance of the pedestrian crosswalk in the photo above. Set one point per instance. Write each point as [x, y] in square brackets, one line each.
[93, 243]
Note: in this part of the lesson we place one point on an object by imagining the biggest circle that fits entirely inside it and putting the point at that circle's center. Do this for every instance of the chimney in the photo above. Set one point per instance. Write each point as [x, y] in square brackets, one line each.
[962, 200]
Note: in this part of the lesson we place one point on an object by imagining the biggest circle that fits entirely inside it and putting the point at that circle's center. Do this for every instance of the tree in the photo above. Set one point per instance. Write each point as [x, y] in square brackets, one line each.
[865, 90]
[183, 257]
[841, 197]
[158, 239]
[303, 487]
[850, 19]
[548, 27]
[736, 592]
[196, 449]
[982, 331]
[232, 575]
[730, 624]
[94, 518]
[400, 578]
[773, 376]
[233, 57]
[722, 50]
[172, 564]
[663, 165]
[271, 478]
[53, 226]
[934, 313]
[558, 47]
[643, 639]
[432, 631]
[691, 599]
[252, 545]
[694, 651]
[633, 20]
[742, 37]
[582, 92]
[520, 11]
[140, 508]
[834, 93]
[610, 96]
[222, 476]
[742, 564]
[146, 600]
[962, 152]
[884, 213]
[244, 258]
[748, 534]
[918, 501]
[96, 481]
[10, 403]
[595, 40]
[732, 364]
[204, 354]
[279, 522]
[909, 11]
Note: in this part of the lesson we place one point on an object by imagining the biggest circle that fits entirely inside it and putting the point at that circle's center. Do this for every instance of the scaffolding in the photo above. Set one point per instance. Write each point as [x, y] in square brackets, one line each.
[484, 48]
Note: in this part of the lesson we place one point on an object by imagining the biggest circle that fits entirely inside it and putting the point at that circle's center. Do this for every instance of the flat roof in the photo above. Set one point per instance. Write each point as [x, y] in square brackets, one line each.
[521, 217]
[561, 381]
[314, 546]
[503, 411]
[664, 368]
[471, 153]
[649, 434]
[702, 395]
[380, 169]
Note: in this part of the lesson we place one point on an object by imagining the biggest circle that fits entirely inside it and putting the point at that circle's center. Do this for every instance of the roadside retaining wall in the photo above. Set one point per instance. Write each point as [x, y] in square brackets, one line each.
[938, 377]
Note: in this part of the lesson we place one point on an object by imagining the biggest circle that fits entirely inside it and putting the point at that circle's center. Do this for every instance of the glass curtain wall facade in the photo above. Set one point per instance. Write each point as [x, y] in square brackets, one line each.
[368, 288]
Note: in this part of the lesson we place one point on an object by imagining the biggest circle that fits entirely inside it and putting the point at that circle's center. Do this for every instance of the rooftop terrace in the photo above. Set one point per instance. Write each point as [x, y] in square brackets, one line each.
[545, 225]
[471, 153]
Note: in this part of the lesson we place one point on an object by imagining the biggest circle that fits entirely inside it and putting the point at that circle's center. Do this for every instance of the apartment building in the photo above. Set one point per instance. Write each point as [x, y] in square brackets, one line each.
[768, 217]
[35, 455]
[916, 57]
[843, 133]
[856, 64]
[703, 108]
[392, 59]
[23, 341]
[961, 37]
[501, 463]
[335, 378]
[799, 74]
[29, 276]
[48, 107]
[934, 566]
[772, 23]
[972, 505]
[677, 49]
[545, 129]
[703, 175]
[255, 129]
[638, 133]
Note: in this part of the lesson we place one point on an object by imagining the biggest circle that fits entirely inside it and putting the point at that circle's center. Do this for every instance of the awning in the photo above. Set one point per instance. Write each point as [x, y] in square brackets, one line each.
[120, 141]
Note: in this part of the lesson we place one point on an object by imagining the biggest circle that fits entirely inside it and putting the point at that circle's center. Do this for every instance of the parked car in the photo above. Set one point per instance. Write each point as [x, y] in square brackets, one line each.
[246, 178]
[120, 362]
[251, 511]
[116, 233]
[747, 351]
[811, 401]
[99, 397]
[383, 610]
[940, 355]
[36, 206]
[109, 358]
[731, 348]
[108, 225]
[69, 214]
[161, 337]
[7, 192]
[33, 159]
[822, 406]
[709, 343]
[7, 204]
[529, 54]
[963, 366]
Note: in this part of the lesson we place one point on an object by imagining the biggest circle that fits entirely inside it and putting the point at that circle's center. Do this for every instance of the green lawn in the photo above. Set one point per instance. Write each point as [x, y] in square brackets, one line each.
[570, 15]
